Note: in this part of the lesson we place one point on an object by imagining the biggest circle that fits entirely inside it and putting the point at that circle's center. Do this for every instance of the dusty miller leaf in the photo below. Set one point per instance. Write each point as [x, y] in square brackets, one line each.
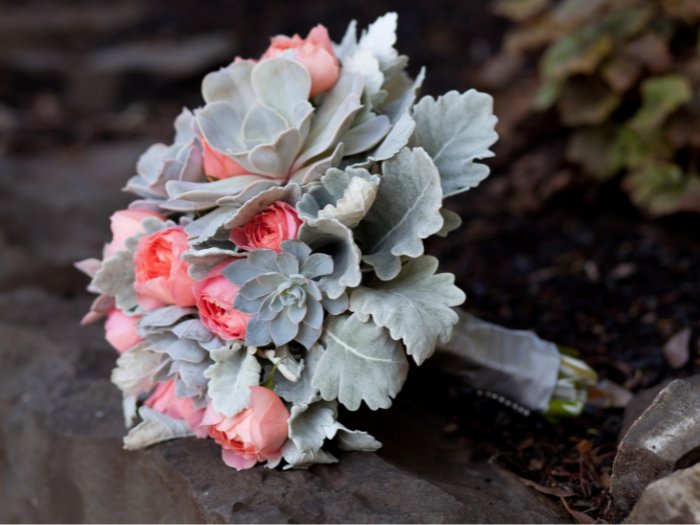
[304, 459]
[456, 130]
[405, 212]
[155, 428]
[137, 370]
[116, 278]
[300, 392]
[233, 371]
[286, 363]
[355, 439]
[414, 307]
[452, 222]
[360, 363]
[311, 425]
[341, 195]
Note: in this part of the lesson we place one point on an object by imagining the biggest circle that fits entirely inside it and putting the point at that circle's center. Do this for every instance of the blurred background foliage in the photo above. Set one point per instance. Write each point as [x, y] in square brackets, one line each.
[624, 76]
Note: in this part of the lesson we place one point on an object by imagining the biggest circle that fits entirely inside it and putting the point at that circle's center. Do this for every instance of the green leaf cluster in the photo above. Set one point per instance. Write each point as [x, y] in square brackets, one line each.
[624, 75]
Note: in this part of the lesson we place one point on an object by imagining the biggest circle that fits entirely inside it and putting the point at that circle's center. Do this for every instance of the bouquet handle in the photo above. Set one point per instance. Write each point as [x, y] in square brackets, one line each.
[515, 366]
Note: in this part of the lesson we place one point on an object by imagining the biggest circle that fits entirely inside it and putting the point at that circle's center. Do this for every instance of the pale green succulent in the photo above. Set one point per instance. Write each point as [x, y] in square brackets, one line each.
[259, 116]
[181, 161]
[282, 293]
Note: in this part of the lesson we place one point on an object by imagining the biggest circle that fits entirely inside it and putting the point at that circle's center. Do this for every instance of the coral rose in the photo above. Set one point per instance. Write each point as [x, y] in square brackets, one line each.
[161, 274]
[215, 296]
[121, 330]
[217, 165]
[254, 434]
[279, 222]
[164, 400]
[315, 52]
[124, 224]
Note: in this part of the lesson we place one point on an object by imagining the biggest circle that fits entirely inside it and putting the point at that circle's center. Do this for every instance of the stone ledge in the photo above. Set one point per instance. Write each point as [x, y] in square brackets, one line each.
[61, 458]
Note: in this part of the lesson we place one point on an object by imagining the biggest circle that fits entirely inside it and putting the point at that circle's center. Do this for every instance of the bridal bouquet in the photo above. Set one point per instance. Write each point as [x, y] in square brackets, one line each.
[273, 267]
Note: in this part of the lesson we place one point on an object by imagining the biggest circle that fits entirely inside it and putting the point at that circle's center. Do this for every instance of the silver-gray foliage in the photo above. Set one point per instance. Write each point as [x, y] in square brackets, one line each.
[283, 294]
[415, 307]
[405, 211]
[457, 130]
[361, 362]
[181, 161]
[230, 377]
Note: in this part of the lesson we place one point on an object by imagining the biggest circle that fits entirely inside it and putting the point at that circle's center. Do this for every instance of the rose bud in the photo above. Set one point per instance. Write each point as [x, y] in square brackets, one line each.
[124, 224]
[279, 222]
[215, 297]
[315, 52]
[164, 400]
[161, 274]
[254, 434]
[121, 330]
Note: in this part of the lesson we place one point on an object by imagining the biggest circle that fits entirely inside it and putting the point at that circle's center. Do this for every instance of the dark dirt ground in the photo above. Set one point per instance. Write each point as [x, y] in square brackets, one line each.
[541, 248]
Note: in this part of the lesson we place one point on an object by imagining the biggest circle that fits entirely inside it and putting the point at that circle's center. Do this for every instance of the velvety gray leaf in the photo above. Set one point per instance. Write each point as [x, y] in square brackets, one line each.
[360, 363]
[405, 212]
[380, 38]
[300, 392]
[355, 440]
[230, 377]
[137, 370]
[415, 307]
[155, 428]
[116, 278]
[457, 130]
[366, 135]
[302, 460]
[452, 222]
[309, 425]
[401, 94]
[342, 195]
[287, 365]
[396, 140]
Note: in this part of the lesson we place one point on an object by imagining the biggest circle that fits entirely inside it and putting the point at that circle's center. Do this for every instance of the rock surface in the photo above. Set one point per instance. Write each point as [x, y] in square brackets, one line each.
[62, 459]
[641, 401]
[61, 426]
[673, 499]
[666, 437]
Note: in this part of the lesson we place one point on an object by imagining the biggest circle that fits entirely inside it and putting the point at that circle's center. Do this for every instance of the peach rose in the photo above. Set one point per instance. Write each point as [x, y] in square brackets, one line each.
[124, 224]
[121, 330]
[315, 52]
[161, 274]
[254, 434]
[164, 400]
[215, 296]
[279, 222]
[217, 165]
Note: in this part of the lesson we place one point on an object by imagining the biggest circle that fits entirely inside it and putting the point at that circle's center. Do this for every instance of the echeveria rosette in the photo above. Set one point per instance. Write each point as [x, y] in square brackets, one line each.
[180, 161]
[258, 115]
[283, 294]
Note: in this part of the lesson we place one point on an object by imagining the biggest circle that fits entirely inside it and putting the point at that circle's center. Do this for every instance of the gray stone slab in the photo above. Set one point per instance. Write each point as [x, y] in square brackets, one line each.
[61, 458]
[665, 437]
